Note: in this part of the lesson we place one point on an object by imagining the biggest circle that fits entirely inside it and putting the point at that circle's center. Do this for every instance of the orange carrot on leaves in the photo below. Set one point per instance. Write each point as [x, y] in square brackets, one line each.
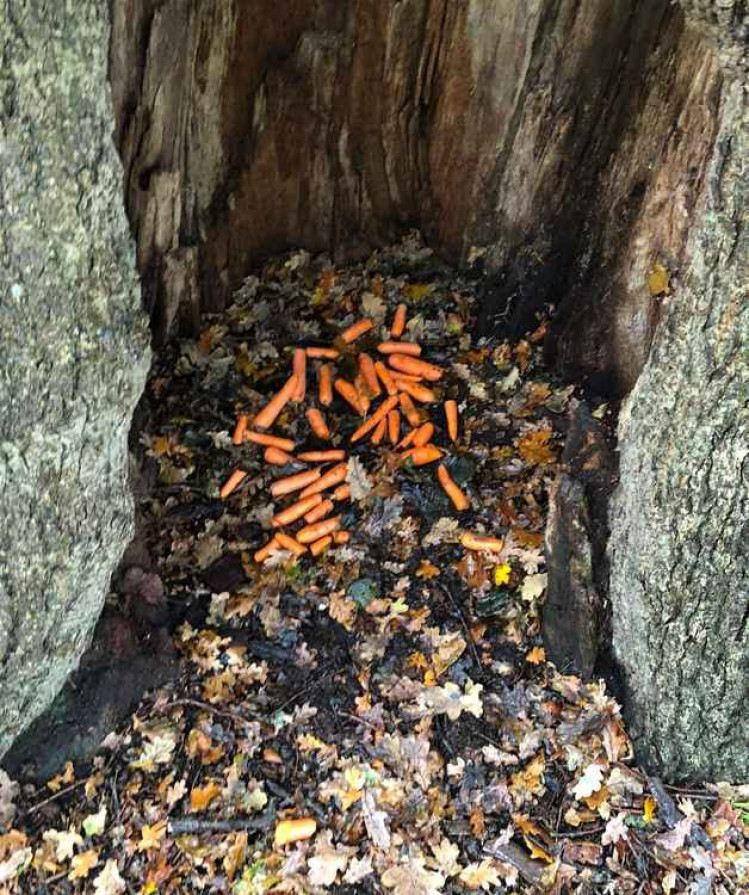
[317, 530]
[320, 546]
[296, 510]
[288, 543]
[382, 411]
[409, 348]
[398, 374]
[327, 353]
[264, 552]
[333, 477]
[379, 432]
[276, 457]
[240, 429]
[415, 366]
[325, 382]
[361, 391]
[232, 482]
[409, 410]
[349, 394]
[369, 375]
[394, 426]
[460, 500]
[322, 456]
[319, 512]
[284, 444]
[408, 439]
[294, 482]
[300, 371]
[317, 423]
[357, 329]
[342, 492]
[399, 322]
[341, 537]
[428, 453]
[423, 435]
[295, 830]
[417, 392]
[385, 378]
[269, 413]
[479, 542]
[451, 415]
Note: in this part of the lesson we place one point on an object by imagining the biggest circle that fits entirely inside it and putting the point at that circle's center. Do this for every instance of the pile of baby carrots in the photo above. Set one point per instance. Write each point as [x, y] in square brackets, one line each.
[401, 380]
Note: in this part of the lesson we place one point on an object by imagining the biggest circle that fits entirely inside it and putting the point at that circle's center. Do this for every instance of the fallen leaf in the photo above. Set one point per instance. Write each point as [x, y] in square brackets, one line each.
[480, 876]
[151, 836]
[93, 824]
[109, 881]
[536, 656]
[83, 864]
[533, 586]
[201, 797]
[658, 279]
[502, 574]
[357, 479]
[590, 781]
[412, 878]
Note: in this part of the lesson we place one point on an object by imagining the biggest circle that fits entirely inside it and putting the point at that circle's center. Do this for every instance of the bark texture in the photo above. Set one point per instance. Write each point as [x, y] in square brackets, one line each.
[678, 541]
[73, 347]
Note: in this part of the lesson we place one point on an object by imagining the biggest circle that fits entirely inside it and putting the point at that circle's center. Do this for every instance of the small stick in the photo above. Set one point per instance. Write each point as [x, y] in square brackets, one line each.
[187, 826]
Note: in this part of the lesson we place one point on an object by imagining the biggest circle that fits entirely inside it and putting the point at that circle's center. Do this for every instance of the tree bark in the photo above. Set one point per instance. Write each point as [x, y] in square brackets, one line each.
[73, 347]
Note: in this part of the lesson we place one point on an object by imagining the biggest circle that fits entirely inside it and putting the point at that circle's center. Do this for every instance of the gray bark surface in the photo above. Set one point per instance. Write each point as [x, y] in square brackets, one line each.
[73, 347]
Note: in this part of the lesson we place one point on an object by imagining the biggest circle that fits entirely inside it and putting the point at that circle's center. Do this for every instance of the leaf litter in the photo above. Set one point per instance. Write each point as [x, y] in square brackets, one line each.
[368, 709]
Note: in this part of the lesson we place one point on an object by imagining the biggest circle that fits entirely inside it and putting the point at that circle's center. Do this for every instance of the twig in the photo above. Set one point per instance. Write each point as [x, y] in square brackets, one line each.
[57, 795]
[207, 707]
[313, 686]
[445, 588]
[181, 826]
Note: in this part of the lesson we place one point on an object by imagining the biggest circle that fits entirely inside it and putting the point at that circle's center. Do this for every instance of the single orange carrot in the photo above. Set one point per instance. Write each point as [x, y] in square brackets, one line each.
[327, 353]
[361, 391]
[319, 512]
[418, 392]
[408, 439]
[385, 378]
[399, 322]
[394, 426]
[295, 830]
[325, 382]
[320, 546]
[379, 432]
[285, 444]
[342, 492]
[480, 542]
[423, 435]
[409, 410]
[349, 394]
[269, 413]
[413, 365]
[232, 482]
[357, 329]
[264, 552]
[294, 482]
[240, 429]
[276, 457]
[428, 453]
[367, 368]
[382, 411]
[299, 369]
[288, 543]
[410, 348]
[409, 377]
[341, 537]
[296, 510]
[322, 456]
[460, 500]
[317, 530]
[317, 423]
[451, 415]
[334, 476]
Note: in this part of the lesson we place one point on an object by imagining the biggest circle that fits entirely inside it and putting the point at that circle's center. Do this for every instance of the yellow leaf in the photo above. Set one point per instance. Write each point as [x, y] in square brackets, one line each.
[417, 291]
[65, 779]
[536, 656]
[295, 830]
[427, 570]
[151, 836]
[648, 812]
[658, 281]
[534, 447]
[201, 797]
[502, 573]
[417, 661]
[81, 865]
[537, 852]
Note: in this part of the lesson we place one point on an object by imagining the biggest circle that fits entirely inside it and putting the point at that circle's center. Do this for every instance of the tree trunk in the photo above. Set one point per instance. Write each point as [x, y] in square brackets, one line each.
[73, 347]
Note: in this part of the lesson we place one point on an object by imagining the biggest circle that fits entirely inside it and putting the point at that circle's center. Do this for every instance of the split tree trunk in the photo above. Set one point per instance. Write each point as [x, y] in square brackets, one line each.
[73, 347]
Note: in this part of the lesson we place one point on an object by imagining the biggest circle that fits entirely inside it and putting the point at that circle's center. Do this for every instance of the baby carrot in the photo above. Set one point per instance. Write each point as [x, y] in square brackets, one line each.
[408, 439]
[361, 391]
[295, 830]
[451, 415]
[341, 537]
[349, 394]
[382, 411]
[325, 383]
[423, 435]
[379, 432]
[296, 510]
[367, 368]
[327, 353]
[479, 542]
[410, 348]
[407, 376]
[319, 512]
[319, 546]
[311, 533]
[385, 378]
[288, 543]
[409, 410]
[428, 453]
[299, 369]
[232, 482]
[394, 426]
[317, 423]
[276, 457]
[342, 492]
[415, 366]
[294, 482]
[357, 329]
[399, 322]
[285, 444]
[459, 499]
[264, 552]
[240, 429]
[269, 413]
[334, 476]
[322, 456]
[418, 392]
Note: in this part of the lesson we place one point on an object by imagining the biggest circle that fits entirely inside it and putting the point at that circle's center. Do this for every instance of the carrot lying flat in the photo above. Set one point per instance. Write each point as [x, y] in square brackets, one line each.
[382, 411]
[357, 329]
[240, 429]
[369, 375]
[294, 482]
[331, 478]
[273, 408]
[232, 482]
[311, 533]
[385, 378]
[320, 546]
[341, 537]
[276, 457]
[428, 453]
[415, 366]
[300, 371]
[423, 435]
[460, 500]
[296, 510]
[288, 543]
[342, 492]
[362, 392]
[451, 415]
[418, 392]
[399, 322]
[409, 410]
[319, 512]
[264, 552]
[322, 456]
[399, 374]
[295, 830]
[379, 432]
[410, 348]
[325, 382]
[479, 542]
[285, 444]
[349, 394]
[327, 353]
[394, 426]
[317, 423]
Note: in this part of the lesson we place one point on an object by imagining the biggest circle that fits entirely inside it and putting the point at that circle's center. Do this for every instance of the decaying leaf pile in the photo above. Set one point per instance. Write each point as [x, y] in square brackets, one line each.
[379, 717]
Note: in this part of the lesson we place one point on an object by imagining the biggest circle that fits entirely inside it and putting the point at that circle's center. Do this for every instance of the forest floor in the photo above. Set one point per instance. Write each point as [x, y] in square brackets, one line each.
[380, 717]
